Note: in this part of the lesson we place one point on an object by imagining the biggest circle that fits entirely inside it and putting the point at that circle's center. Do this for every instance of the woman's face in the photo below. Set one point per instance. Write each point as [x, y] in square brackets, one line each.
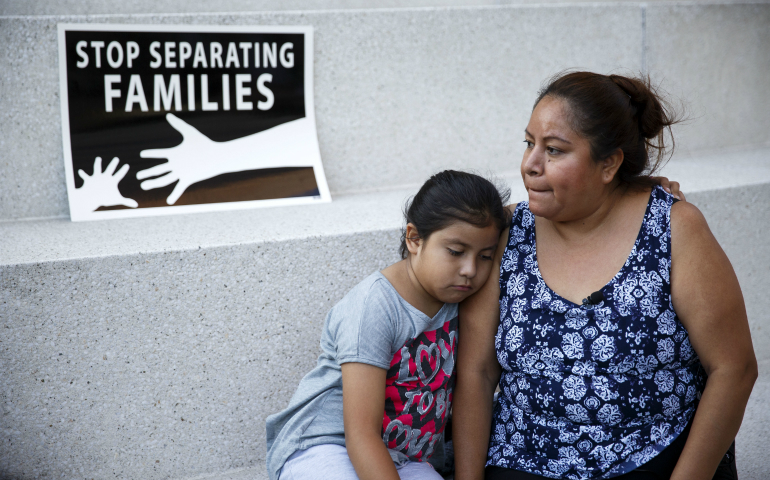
[563, 182]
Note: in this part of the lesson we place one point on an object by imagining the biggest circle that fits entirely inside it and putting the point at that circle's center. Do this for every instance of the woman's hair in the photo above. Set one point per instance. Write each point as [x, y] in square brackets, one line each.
[614, 112]
[452, 196]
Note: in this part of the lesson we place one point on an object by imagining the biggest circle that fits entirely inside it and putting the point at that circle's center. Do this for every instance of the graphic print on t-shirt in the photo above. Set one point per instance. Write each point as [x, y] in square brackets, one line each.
[418, 392]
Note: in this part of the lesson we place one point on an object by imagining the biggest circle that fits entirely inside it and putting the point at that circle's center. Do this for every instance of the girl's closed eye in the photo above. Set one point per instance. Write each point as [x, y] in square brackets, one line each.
[454, 253]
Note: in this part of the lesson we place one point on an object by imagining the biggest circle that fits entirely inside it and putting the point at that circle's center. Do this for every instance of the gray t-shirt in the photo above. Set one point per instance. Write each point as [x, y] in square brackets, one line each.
[372, 324]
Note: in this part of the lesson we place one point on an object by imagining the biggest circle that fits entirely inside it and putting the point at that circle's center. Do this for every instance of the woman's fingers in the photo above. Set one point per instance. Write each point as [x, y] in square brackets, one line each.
[670, 187]
[674, 190]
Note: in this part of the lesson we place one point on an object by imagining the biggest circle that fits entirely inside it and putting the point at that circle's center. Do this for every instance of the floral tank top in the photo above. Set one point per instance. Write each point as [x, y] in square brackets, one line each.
[593, 390]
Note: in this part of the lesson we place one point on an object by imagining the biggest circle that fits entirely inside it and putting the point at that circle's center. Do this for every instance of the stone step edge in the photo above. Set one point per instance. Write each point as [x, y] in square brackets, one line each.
[26, 242]
[258, 472]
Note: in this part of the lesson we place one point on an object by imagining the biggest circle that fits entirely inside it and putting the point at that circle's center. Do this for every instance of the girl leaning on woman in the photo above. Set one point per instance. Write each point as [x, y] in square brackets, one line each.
[605, 311]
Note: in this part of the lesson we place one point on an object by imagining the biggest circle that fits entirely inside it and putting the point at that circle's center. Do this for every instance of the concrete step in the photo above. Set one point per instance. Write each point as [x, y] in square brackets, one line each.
[252, 473]
[156, 347]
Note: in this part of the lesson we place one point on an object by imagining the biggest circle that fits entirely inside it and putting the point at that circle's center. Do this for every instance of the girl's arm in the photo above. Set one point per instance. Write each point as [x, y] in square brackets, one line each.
[478, 373]
[708, 300]
[363, 405]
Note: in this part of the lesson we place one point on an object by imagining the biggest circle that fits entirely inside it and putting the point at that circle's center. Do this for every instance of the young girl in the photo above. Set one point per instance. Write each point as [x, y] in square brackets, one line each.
[376, 404]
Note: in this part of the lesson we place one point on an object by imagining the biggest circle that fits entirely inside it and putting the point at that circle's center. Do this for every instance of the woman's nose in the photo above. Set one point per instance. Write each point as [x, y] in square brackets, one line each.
[532, 162]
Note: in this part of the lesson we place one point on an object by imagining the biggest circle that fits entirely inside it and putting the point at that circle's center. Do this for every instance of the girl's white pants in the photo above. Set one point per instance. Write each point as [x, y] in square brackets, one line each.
[331, 462]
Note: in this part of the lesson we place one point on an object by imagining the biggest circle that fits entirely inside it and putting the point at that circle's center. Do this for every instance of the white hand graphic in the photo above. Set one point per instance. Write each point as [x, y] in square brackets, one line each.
[101, 188]
[199, 158]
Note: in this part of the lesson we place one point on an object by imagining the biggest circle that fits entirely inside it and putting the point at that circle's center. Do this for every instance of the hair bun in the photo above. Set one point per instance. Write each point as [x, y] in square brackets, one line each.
[650, 113]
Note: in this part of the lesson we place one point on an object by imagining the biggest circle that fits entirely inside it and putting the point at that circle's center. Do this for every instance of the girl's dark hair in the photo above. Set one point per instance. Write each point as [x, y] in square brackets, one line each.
[452, 196]
[615, 112]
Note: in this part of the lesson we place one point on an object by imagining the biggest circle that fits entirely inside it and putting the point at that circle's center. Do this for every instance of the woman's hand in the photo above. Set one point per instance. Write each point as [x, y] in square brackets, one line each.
[363, 406]
[707, 299]
[478, 373]
[670, 187]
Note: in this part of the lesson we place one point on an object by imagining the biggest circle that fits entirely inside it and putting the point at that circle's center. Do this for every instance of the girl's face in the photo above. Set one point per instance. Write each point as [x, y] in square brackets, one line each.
[562, 179]
[453, 262]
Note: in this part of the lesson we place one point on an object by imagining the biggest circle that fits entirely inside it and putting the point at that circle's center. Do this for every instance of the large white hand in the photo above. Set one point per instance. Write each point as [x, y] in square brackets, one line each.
[101, 188]
[199, 158]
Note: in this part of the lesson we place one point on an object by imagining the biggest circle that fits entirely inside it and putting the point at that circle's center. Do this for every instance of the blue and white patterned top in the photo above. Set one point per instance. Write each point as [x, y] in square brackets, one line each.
[591, 391]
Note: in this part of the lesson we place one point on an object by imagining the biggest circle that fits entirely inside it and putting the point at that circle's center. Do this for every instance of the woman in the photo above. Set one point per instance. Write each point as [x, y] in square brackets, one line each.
[617, 330]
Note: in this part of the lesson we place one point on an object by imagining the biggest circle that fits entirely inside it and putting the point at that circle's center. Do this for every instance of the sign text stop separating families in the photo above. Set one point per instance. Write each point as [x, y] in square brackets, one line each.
[166, 91]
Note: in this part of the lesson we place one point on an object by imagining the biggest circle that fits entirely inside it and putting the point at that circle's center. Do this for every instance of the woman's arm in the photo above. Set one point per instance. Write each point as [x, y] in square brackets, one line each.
[708, 300]
[363, 406]
[478, 373]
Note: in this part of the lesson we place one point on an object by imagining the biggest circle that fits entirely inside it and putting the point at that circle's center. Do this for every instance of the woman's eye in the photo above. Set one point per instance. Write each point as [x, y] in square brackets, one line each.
[552, 151]
[454, 253]
[529, 144]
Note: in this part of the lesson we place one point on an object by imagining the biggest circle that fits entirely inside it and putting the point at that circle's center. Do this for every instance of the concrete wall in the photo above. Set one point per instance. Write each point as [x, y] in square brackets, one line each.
[714, 58]
[739, 219]
[401, 93]
[398, 93]
[92, 7]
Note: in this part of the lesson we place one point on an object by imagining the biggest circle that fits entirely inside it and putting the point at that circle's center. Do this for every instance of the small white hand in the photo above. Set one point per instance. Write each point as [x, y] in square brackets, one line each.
[101, 188]
[199, 158]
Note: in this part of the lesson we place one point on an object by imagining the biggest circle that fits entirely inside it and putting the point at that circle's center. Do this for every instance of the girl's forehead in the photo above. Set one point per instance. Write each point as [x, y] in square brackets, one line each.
[468, 234]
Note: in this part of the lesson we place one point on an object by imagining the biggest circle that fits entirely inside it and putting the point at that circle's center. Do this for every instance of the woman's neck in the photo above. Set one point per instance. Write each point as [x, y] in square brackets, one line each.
[593, 221]
[578, 257]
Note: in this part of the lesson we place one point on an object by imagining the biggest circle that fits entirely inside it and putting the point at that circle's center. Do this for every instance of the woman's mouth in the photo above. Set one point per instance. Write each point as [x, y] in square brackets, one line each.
[536, 191]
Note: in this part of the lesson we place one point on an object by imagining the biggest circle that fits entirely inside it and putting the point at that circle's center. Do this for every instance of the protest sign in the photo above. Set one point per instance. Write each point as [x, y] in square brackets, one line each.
[164, 119]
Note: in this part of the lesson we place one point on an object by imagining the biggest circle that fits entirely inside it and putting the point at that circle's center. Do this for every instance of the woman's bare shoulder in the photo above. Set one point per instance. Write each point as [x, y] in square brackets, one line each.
[687, 220]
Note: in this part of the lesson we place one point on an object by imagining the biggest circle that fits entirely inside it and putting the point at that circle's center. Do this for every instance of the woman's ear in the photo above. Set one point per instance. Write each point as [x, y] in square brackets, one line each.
[611, 165]
[413, 240]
